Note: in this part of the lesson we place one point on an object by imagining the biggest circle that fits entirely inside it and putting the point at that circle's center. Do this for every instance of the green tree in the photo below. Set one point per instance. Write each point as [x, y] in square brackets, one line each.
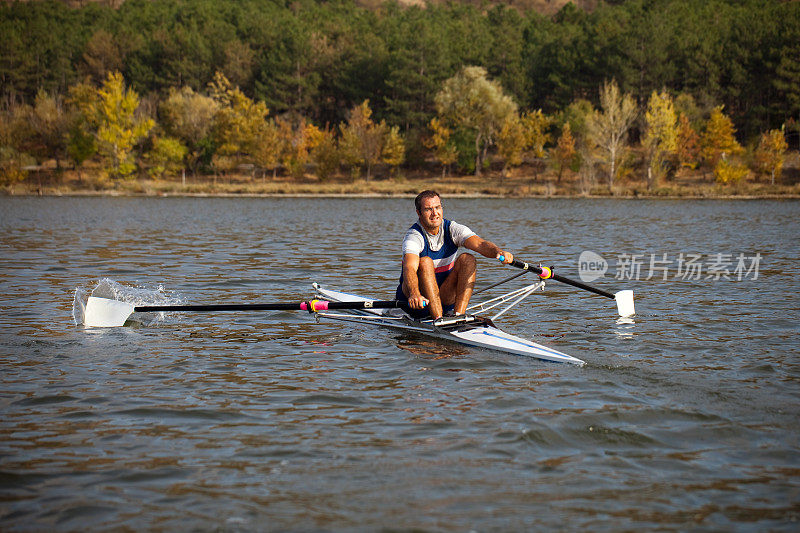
[189, 116]
[120, 127]
[608, 128]
[101, 56]
[14, 134]
[787, 78]
[50, 124]
[165, 156]
[578, 115]
[81, 139]
[471, 101]
[660, 138]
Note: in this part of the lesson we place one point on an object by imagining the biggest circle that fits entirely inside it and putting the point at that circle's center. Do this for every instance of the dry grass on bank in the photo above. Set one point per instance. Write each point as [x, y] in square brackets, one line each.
[525, 181]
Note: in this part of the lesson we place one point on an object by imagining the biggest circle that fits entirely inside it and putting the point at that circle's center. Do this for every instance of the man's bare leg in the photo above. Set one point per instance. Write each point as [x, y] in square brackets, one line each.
[457, 288]
[426, 276]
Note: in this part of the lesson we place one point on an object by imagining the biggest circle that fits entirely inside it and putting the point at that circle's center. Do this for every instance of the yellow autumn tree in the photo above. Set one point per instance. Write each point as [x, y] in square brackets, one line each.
[297, 141]
[440, 141]
[608, 129]
[535, 124]
[394, 148]
[165, 156]
[688, 143]
[511, 142]
[325, 151]
[237, 123]
[268, 147]
[769, 155]
[362, 139]
[660, 138]
[119, 126]
[563, 154]
[719, 146]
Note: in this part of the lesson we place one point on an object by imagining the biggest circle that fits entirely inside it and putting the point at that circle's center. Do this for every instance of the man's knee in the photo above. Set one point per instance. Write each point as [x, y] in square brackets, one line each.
[425, 264]
[467, 261]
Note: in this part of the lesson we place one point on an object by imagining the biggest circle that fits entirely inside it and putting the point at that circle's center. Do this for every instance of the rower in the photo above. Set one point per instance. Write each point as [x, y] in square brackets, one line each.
[435, 278]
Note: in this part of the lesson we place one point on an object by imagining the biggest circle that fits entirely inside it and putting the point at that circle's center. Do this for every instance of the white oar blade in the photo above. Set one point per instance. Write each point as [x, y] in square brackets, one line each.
[106, 313]
[625, 303]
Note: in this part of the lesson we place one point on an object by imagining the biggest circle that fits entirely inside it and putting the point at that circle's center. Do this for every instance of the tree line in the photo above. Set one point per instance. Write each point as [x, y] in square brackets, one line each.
[335, 75]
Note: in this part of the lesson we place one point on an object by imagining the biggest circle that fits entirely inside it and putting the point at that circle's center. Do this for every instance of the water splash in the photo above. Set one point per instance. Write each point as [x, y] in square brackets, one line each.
[107, 288]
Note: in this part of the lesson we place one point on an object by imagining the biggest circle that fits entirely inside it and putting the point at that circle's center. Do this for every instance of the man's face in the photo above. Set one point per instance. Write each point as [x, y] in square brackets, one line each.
[430, 214]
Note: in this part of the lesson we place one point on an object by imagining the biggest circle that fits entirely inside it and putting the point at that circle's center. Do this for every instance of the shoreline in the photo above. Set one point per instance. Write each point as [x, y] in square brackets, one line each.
[471, 195]
[519, 183]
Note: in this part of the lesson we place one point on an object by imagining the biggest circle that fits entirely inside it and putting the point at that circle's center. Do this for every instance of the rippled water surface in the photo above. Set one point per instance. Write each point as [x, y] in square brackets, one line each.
[685, 419]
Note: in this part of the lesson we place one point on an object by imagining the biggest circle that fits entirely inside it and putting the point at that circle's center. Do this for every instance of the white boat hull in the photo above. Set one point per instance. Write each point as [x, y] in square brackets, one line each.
[480, 334]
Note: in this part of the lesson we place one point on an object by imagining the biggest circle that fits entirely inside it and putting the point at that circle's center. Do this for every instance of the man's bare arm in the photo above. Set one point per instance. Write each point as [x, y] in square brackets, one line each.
[488, 249]
[411, 281]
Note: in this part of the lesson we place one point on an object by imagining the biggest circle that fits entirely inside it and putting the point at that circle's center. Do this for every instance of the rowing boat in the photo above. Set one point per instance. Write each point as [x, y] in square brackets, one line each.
[469, 329]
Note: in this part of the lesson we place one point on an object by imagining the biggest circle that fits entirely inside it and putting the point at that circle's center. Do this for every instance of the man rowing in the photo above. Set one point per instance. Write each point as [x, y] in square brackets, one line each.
[434, 275]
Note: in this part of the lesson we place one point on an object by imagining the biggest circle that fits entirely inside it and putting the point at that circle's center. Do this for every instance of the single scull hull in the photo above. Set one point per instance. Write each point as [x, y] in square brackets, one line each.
[474, 331]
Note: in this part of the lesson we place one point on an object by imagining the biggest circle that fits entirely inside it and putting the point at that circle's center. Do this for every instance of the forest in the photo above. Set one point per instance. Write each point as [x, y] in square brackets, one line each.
[339, 86]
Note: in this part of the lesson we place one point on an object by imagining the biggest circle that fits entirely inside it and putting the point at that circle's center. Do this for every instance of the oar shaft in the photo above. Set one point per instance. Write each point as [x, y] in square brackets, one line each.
[537, 270]
[311, 306]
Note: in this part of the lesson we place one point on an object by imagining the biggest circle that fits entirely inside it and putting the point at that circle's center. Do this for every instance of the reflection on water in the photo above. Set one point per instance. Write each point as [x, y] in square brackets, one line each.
[683, 418]
[429, 348]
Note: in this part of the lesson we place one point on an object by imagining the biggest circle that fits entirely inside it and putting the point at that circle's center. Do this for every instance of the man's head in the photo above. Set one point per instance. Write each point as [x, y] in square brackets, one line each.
[424, 195]
[429, 209]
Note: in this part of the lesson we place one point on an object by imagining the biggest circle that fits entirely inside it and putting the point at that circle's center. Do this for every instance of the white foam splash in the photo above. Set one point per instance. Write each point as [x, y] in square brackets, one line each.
[108, 288]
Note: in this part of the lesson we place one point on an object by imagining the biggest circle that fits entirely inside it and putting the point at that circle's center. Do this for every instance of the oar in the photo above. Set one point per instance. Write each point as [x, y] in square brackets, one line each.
[624, 298]
[107, 313]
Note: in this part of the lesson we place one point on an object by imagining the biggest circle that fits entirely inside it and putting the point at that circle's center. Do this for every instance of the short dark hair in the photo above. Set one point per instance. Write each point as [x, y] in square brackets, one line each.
[423, 196]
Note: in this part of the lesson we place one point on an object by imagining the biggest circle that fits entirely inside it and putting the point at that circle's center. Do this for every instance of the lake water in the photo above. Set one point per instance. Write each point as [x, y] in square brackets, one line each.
[686, 419]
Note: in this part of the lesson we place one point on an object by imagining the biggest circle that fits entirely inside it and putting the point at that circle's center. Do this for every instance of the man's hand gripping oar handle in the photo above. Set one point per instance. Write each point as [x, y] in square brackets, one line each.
[624, 299]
